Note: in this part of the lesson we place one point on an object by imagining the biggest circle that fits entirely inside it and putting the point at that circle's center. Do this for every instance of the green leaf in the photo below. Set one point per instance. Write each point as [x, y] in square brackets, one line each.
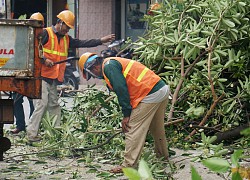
[40, 162]
[201, 63]
[194, 174]
[234, 35]
[199, 111]
[221, 52]
[203, 137]
[22, 17]
[211, 139]
[231, 106]
[216, 164]
[80, 160]
[189, 53]
[227, 102]
[221, 152]
[131, 173]
[103, 174]
[144, 170]
[213, 9]
[170, 39]
[190, 10]
[245, 132]
[177, 48]
[222, 79]
[236, 156]
[157, 52]
[176, 35]
[208, 16]
[228, 64]
[242, 3]
[207, 33]
[241, 84]
[228, 23]
[190, 110]
[169, 67]
[236, 176]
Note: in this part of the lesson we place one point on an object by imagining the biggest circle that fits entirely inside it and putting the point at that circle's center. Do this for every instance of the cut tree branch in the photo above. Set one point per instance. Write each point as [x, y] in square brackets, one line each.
[204, 120]
[203, 127]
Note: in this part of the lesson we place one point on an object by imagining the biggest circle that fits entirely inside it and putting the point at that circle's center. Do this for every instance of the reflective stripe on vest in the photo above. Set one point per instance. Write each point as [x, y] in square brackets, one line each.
[128, 68]
[125, 73]
[142, 74]
[52, 51]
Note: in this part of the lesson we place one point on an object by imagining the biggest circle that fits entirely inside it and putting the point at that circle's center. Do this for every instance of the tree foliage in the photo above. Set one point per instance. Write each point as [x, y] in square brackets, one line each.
[201, 49]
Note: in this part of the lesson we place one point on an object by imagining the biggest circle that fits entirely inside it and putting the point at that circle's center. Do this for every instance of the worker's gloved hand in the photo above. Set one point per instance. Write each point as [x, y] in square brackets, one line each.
[108, 38]
[49, 63]
[125, 124]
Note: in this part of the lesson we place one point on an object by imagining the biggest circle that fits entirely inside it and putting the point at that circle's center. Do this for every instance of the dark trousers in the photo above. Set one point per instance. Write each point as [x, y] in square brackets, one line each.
[19, 112]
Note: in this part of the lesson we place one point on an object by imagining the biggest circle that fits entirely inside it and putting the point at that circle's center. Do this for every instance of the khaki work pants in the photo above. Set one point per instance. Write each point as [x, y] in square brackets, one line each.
[48, 102]
[145, 117]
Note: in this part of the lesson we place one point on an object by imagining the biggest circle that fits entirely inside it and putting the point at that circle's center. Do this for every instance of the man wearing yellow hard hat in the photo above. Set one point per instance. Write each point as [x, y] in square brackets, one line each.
[56, 42]
[143, 96]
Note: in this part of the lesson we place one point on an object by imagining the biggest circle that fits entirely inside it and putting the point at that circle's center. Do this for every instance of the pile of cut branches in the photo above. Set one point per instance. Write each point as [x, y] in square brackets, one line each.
[201, 49]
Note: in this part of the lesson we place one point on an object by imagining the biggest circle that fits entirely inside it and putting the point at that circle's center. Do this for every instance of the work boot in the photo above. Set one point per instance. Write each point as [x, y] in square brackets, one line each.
[16, 131]
[34, 139]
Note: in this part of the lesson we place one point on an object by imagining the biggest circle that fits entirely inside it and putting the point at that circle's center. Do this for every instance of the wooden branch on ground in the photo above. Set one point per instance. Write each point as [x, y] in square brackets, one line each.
[173, 122]
[204, 120]
[203, 127]
[230, 134]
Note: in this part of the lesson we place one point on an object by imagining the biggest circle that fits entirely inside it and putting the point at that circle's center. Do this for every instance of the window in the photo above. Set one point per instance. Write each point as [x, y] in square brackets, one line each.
[2, 9]
[135, 10]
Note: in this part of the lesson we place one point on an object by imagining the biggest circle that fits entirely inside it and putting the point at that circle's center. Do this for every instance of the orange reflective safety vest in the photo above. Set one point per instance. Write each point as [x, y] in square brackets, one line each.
[140, 80]
[55, 51]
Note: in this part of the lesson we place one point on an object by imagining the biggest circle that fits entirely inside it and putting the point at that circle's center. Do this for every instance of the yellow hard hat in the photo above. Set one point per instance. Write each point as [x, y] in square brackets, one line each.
[37, 16]
[85, 62]
[67, 17]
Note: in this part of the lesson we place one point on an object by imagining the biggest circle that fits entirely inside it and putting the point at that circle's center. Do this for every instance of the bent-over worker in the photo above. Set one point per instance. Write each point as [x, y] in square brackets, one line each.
[143, 96]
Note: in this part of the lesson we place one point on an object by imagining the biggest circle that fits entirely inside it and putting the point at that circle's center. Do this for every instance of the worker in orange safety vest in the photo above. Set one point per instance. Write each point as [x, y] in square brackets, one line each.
[143, 96]
[56, 42]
